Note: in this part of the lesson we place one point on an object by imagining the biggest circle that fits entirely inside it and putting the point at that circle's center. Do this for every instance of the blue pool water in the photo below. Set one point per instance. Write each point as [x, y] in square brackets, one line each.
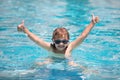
[100, 51]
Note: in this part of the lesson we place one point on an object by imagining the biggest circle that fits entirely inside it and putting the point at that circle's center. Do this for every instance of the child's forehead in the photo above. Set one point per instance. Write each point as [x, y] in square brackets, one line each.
[61, 37]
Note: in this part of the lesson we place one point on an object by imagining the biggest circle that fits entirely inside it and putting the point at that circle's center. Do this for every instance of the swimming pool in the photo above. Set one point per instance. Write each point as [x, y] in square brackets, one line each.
[100, 51]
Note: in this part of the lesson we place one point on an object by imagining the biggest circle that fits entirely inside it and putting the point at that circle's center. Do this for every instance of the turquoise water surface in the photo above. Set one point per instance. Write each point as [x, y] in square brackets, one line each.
[100, 51]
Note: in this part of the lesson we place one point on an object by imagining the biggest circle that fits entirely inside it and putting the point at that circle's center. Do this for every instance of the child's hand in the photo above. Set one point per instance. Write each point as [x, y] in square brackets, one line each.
[95, 19]
[21, 27]
[71, 63]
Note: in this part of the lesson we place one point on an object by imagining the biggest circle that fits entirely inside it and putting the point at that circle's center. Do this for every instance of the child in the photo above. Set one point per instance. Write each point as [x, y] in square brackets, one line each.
[60, 38]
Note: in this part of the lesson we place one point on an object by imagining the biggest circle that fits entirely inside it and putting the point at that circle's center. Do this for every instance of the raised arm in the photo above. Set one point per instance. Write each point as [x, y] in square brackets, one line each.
[80, 38]
[33, 37]
[85, 33]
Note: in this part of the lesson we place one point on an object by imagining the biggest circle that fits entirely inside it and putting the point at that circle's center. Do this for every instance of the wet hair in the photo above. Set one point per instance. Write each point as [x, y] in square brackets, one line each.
[60, 33]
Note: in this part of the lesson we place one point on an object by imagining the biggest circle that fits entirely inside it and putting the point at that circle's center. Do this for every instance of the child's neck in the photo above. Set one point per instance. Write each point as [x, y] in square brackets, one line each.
[59, 51]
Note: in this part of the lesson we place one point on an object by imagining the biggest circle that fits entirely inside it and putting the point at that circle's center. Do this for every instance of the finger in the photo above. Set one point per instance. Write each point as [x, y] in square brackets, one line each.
[23, 22]
[93, 16]
[97, 19]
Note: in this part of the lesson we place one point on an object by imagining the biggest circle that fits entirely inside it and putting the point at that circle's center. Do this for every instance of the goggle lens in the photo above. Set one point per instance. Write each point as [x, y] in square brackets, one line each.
[59, 41]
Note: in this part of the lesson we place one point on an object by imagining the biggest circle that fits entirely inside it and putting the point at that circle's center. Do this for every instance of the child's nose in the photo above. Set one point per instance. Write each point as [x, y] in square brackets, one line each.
[61, 43]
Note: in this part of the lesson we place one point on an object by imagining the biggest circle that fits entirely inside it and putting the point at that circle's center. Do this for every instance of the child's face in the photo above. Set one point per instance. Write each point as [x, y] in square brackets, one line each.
[61, 43]
[60, 38]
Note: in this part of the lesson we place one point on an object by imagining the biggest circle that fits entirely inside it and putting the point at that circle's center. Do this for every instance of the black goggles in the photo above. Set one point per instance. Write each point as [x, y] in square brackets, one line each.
[59, 41]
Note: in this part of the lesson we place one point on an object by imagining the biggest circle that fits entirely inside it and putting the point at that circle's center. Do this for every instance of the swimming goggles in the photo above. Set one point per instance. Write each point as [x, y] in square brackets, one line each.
[59, 41]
